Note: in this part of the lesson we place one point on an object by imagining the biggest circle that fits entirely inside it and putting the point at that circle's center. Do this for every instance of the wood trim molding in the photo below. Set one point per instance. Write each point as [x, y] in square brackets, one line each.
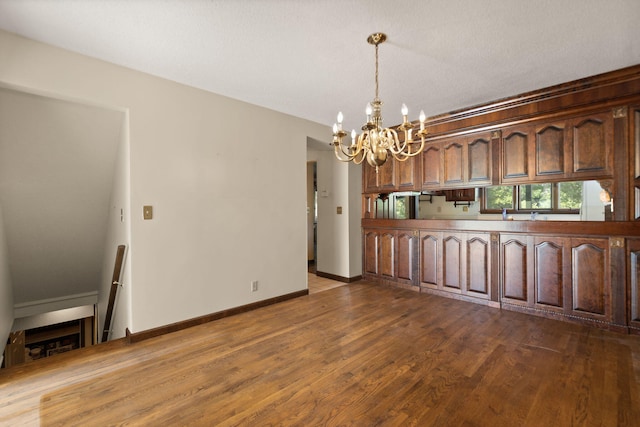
[338, 278]
[607, 89]
[132, 337]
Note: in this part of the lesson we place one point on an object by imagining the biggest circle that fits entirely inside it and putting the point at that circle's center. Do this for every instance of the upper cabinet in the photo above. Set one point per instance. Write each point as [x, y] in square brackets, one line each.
[393, 175]
[462, 161]
[574, 148]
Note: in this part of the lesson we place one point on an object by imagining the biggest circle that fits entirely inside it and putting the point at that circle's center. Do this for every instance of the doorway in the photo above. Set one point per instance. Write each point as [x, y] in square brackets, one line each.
[312, 216]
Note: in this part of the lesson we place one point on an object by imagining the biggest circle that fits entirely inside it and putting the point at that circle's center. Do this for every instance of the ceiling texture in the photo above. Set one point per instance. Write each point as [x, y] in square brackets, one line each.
[310, 58]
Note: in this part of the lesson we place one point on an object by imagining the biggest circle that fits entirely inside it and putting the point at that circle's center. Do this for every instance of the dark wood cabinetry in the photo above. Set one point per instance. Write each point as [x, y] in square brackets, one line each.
[463, 161]
[392, 255]
[568, 276]
[571, 149]
[460, 195]
[573, 271]
[587, 272]
[394, 175]
[458, 263]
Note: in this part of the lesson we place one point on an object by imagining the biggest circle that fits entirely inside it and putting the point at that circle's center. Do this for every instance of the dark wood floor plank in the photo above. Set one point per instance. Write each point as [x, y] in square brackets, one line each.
[360, 354]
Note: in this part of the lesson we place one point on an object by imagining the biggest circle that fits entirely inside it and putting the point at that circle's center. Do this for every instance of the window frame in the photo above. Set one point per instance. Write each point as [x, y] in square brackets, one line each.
[555, 201]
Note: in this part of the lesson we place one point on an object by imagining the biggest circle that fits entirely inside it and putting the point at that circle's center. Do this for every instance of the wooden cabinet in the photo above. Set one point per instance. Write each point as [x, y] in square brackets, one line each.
[456, 262]
[568, 276]
[391, 255]
[460, 195]
[572, 149]
[392, 176]
[463, 161]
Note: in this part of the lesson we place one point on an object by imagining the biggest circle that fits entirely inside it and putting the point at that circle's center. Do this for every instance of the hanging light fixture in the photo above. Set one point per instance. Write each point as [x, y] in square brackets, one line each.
[376, 143]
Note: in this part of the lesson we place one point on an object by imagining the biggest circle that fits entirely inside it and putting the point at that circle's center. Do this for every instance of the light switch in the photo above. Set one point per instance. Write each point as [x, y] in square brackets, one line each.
[147, 212]
[339, 210]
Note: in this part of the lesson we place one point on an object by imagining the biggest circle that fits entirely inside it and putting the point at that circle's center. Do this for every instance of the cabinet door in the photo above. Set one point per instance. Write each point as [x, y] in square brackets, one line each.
[478, 257]
[370, 252]
[407, 254]
[550, 151]
[453, 273]
[590, 279]
[453, 152]
[431, 258]
[591, 139]
[408, 174]
[387, 175]
[431, 165]
[479, 169]
[388, 254]
[514, 260]
[551, 281]
[369, 178]
[515, 155]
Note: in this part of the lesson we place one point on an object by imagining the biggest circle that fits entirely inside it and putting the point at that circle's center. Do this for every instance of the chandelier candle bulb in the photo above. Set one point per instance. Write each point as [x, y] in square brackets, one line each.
[375, 143]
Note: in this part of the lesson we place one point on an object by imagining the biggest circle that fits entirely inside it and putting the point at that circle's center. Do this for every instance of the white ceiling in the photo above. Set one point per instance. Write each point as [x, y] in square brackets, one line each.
[310, 58]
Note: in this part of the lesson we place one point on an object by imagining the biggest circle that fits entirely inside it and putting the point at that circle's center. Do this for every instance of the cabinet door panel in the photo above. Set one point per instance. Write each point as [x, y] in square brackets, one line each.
[515, 156]
[478, 264]
[387, 255]
[370, 178]
[589, 276]
[407, 174]
[550, 151]
[406, 261]
[591, 143]
[453, 163]
[387, 175]
[452, 262]
[431, 166]
[633, 260]
[371, 252]
[479, 161]
[430, 256]
[548, 272]
[514, 267]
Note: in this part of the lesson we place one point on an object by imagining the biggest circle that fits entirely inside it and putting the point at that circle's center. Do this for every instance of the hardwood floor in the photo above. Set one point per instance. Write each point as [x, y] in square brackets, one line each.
[359, 354]
[320, 284]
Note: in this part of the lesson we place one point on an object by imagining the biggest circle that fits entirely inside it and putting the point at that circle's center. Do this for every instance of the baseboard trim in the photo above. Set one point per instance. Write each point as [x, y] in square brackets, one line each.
[338, 278]
[134, 337]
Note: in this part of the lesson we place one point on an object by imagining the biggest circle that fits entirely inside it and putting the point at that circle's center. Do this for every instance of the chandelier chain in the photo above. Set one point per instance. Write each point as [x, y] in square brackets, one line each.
[376, 98]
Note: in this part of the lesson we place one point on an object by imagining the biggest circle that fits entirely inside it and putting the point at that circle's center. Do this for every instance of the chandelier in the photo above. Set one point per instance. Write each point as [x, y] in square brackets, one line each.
[376, 143]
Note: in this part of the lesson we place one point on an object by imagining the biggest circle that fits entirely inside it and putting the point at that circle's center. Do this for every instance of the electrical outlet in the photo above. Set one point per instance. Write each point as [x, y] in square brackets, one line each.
[254, 286]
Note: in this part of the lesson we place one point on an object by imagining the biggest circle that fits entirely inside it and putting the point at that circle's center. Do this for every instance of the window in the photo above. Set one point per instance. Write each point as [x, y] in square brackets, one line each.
[563, 197]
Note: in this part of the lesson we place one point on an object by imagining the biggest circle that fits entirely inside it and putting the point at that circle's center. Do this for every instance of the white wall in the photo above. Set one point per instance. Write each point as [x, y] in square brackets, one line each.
[204, 162]
[118, 233]
[6, 292]
[339, 184]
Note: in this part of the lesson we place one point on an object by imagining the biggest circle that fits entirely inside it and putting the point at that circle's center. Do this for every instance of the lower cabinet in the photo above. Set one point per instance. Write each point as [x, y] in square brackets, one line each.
[391, 255]
[567, 276]
[593, 280]
[458, 263]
